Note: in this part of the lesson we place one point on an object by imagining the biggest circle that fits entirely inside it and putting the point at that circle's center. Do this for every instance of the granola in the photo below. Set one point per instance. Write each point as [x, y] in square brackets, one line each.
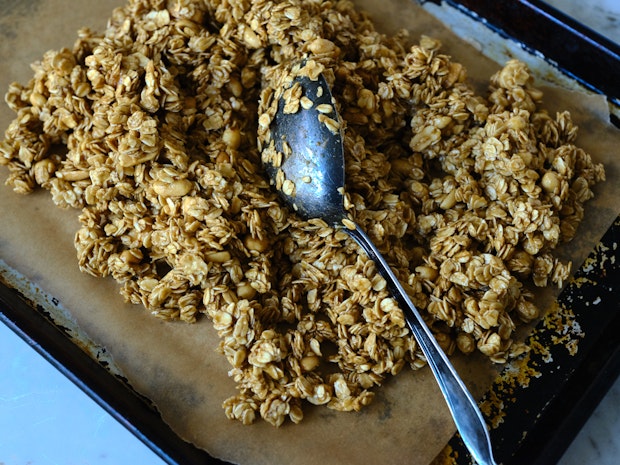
[150, 130]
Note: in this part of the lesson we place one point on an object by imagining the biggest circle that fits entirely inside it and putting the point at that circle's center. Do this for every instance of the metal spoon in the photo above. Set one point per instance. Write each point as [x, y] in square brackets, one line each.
[315, 167]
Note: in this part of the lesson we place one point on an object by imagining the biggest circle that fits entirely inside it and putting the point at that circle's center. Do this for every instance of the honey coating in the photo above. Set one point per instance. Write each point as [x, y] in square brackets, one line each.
[150, 130]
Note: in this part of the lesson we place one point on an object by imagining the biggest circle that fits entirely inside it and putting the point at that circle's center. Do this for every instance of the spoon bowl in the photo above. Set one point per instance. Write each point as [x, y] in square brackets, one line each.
[303, 155]
[313, 158]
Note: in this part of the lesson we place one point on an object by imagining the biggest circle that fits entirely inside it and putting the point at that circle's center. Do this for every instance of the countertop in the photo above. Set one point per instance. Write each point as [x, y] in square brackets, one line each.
[46, 419]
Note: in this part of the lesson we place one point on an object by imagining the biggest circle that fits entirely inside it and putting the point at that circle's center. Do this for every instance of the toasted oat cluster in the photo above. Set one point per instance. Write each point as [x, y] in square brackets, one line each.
[150, 129]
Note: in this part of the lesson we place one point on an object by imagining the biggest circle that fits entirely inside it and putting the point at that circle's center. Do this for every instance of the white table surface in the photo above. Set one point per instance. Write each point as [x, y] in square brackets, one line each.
[46, 420]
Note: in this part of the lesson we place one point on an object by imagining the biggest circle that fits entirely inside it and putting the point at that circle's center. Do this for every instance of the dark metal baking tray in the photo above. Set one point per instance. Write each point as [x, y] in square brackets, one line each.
[540, 420]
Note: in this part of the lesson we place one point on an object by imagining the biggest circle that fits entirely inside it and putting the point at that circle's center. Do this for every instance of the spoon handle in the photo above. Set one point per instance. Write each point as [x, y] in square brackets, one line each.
[465, 412]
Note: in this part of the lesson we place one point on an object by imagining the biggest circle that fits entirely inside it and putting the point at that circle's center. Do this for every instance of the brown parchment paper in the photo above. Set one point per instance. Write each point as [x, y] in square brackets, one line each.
[175, 364]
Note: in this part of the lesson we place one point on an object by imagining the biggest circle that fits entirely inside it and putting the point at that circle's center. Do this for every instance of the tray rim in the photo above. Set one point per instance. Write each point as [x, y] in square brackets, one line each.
[542, 30]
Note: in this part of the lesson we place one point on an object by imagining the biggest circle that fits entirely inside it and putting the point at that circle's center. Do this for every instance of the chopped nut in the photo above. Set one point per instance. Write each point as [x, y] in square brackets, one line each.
[288, 187]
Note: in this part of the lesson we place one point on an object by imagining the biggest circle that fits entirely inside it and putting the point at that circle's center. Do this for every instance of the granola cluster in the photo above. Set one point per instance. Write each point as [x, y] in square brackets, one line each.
[150, 130]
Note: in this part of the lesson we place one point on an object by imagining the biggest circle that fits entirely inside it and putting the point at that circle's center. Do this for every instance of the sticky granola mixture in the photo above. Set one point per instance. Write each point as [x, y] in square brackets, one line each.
[150, 130]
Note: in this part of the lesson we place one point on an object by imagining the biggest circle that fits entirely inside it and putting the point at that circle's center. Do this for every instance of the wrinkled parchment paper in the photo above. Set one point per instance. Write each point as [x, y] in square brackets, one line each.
[175, 364]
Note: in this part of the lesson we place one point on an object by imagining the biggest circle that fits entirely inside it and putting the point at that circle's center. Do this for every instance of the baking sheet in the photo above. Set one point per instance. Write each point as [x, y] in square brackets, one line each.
[174, 364]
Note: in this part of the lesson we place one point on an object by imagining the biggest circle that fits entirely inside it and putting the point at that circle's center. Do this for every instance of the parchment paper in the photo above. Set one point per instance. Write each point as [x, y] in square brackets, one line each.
[175, 364]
